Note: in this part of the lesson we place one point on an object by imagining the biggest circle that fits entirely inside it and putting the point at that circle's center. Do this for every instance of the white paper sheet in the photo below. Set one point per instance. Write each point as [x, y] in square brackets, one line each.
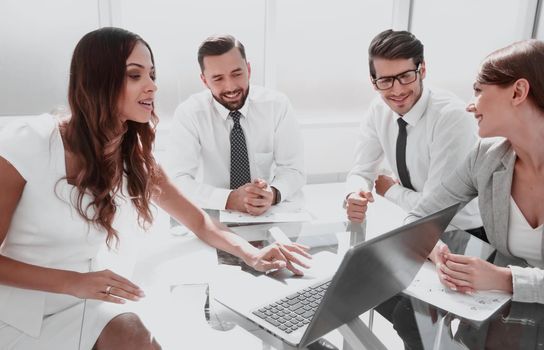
[481, 305]
[284, 212]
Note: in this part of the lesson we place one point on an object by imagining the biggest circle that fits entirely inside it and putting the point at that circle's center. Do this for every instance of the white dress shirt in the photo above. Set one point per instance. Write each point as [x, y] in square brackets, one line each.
[440, 133]
[198, 154]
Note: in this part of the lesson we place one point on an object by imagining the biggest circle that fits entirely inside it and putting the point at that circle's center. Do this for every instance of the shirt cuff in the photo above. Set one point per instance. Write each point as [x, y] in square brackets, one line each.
[288, 190]
[356, 183]
[525, 285]
[277, 195]
[393, 193]
[218, 199]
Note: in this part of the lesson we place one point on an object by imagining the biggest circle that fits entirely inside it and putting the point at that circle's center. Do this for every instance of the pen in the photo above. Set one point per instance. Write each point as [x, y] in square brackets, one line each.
[278, 236]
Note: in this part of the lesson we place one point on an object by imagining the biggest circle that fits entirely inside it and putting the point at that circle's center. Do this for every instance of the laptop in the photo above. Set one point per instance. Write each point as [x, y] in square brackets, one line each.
[369, 274]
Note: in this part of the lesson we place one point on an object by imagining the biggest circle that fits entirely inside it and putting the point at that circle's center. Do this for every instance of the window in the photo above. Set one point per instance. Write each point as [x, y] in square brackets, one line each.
[459, 34]
[322, 61]
[175, 29]
[38, 38]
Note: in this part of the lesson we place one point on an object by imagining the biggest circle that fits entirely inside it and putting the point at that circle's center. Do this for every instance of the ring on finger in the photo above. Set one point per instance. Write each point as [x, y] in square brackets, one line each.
[108, 290]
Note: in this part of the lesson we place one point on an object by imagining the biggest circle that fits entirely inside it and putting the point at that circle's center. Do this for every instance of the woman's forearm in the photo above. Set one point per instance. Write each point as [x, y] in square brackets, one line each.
[228, 242]
[27, 276]
[505, 279]
[171, 200]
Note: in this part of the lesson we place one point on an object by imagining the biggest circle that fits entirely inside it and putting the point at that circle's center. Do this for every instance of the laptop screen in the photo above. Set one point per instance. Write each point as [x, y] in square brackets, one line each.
[376, 270]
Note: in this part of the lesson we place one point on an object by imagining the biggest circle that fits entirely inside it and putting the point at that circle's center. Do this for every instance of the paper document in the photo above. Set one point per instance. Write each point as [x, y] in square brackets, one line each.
[481, 305]
[284, 212]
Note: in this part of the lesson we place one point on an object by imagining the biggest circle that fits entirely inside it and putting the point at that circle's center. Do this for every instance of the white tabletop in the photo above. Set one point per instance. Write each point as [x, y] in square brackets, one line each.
[175, 269]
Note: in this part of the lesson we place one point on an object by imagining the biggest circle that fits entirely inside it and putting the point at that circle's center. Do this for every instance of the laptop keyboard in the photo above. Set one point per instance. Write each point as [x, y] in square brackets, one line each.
[294, 311]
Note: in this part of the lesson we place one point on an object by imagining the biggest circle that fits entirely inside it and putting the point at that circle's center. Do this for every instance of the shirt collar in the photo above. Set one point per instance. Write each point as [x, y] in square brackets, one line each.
[224, 112]
[417, 111]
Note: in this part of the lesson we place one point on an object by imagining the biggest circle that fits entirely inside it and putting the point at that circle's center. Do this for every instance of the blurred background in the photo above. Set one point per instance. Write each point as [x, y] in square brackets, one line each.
[315, 51]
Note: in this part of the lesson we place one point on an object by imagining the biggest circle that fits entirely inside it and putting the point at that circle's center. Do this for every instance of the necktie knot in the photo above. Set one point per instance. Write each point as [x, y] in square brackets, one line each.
[402, 123]
[235, 115]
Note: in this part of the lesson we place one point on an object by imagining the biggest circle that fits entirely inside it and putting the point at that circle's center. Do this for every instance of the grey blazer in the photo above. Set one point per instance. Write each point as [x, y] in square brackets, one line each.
[487, 173]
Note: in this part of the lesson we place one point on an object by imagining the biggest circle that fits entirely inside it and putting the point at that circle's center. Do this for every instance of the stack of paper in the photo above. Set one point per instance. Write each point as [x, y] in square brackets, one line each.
[479, 306]
[284, 212]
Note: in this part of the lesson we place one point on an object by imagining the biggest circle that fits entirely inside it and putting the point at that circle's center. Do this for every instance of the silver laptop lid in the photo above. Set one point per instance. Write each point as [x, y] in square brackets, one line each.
[376, 270]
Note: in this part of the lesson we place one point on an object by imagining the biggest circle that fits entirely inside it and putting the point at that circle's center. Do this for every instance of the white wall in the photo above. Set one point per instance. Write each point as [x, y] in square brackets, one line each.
[174, 31]
[458, 34]
[313, 50]
[36, 42]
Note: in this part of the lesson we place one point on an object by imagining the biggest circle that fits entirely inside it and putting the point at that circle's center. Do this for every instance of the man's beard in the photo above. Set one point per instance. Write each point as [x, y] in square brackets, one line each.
[233, 106]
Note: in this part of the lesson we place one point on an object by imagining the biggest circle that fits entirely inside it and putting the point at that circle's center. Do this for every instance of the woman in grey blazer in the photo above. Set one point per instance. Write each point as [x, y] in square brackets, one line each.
[506, 172]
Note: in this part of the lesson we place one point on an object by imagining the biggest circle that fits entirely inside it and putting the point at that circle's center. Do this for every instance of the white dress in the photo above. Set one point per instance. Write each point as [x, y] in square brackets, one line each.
[46, 230]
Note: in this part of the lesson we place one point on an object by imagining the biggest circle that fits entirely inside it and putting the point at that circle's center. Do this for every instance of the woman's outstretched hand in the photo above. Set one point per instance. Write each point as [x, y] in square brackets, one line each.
[103, 285]
[280, 255]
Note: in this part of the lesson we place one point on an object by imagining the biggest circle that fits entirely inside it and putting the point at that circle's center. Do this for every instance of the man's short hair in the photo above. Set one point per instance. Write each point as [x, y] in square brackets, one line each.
[391, 45]
[217, 45]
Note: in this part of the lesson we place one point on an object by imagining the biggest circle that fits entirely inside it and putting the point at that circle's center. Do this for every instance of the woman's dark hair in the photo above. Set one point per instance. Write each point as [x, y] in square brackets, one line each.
[523, 59]
[105, 148]
[392, 45]
[218, 45]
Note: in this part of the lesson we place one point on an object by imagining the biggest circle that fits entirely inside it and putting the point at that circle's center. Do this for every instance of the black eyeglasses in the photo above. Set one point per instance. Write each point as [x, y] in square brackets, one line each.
[403, 78]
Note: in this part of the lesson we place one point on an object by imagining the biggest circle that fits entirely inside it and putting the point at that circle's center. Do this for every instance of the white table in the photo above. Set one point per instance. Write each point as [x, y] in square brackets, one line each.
[175, 271]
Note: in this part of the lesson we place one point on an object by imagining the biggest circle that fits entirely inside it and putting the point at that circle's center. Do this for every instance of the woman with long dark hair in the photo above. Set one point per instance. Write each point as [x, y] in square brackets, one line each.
[64, 183]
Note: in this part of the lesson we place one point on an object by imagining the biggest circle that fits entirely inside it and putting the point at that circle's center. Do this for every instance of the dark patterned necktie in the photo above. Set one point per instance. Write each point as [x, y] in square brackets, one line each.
[239, 161]
[404, 175]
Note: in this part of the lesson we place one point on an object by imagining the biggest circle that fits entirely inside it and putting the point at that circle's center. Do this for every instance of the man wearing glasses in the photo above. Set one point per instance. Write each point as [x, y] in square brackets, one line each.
[422, 134]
